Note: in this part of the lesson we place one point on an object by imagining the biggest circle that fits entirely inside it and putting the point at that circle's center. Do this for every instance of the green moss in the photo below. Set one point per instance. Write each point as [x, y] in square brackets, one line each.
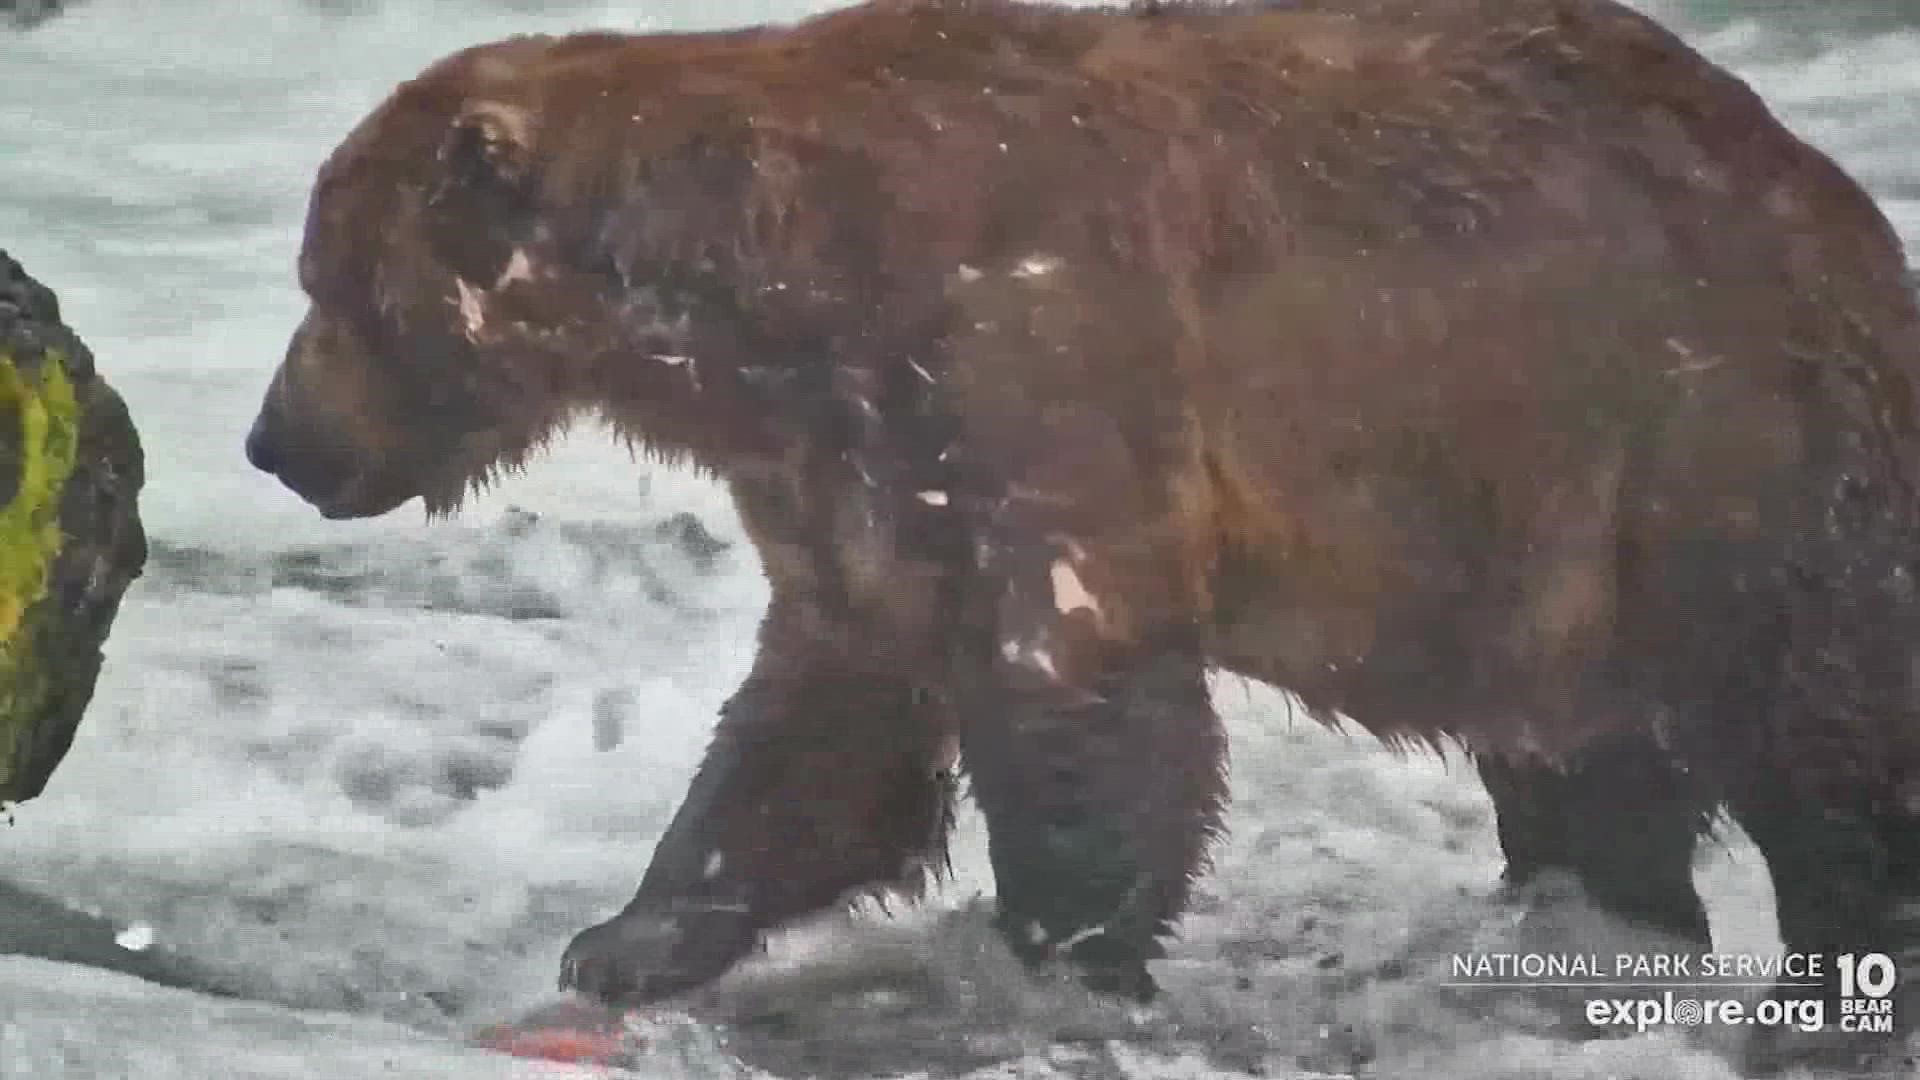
[39, 438]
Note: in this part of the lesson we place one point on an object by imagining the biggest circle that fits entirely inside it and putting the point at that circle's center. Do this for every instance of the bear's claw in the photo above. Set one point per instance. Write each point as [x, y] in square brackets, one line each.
[639, 956]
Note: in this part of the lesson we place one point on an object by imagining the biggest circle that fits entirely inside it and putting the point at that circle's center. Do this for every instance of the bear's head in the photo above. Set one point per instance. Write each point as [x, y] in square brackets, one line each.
[501, 245]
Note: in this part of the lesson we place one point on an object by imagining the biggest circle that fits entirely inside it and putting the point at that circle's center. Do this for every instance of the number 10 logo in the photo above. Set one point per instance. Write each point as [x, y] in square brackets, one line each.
[1866, 975]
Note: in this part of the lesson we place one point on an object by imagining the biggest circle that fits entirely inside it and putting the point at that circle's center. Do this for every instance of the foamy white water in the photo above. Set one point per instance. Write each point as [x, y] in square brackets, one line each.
[362, 769]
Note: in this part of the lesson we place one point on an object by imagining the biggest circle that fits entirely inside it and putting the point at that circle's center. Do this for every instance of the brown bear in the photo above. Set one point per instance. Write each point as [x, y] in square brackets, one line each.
[1495, 373]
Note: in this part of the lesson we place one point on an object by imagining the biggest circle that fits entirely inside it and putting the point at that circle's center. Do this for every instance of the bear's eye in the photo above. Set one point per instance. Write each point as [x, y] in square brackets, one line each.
[467, 155]
[473, 235]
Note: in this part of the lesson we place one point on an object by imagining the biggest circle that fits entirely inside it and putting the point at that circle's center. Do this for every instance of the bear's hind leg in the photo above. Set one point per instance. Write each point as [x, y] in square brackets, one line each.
[819, 785]
[1620, 818]
[1846, 883]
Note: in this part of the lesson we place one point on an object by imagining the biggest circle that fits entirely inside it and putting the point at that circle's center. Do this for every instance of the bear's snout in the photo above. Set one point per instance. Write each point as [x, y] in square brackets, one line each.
[303, 464]
[320, 470]
[262, 452]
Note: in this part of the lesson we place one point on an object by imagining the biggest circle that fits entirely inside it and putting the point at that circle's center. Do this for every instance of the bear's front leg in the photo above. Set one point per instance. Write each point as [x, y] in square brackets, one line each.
[822, 781]
[1100, 799]
[1091, 745]
[1098, 761]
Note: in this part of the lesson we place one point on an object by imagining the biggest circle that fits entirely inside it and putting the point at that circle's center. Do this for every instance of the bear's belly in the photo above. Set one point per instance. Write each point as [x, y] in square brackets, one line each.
[1422, 660]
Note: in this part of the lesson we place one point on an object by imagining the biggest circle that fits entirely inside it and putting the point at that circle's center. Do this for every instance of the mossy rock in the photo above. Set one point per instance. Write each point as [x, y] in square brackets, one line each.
[71, 542]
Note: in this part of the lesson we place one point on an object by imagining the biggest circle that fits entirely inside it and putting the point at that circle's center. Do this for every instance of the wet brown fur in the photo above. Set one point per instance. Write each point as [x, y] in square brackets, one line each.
[1490, 371]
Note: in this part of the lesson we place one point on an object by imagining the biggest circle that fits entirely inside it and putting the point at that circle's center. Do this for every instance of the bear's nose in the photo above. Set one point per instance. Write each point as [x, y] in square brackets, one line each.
[260, 450]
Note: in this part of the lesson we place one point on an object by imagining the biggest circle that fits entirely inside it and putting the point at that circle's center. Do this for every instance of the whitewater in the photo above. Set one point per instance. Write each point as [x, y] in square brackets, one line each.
[365, 779]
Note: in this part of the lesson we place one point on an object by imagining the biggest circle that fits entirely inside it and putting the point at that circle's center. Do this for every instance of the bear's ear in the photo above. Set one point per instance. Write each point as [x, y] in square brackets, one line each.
[490, 144]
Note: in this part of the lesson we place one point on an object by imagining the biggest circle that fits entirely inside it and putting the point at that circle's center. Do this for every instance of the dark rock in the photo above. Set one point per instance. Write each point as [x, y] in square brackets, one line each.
[21, 14]
[34, 924]
[55, 615]
[690, 535]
